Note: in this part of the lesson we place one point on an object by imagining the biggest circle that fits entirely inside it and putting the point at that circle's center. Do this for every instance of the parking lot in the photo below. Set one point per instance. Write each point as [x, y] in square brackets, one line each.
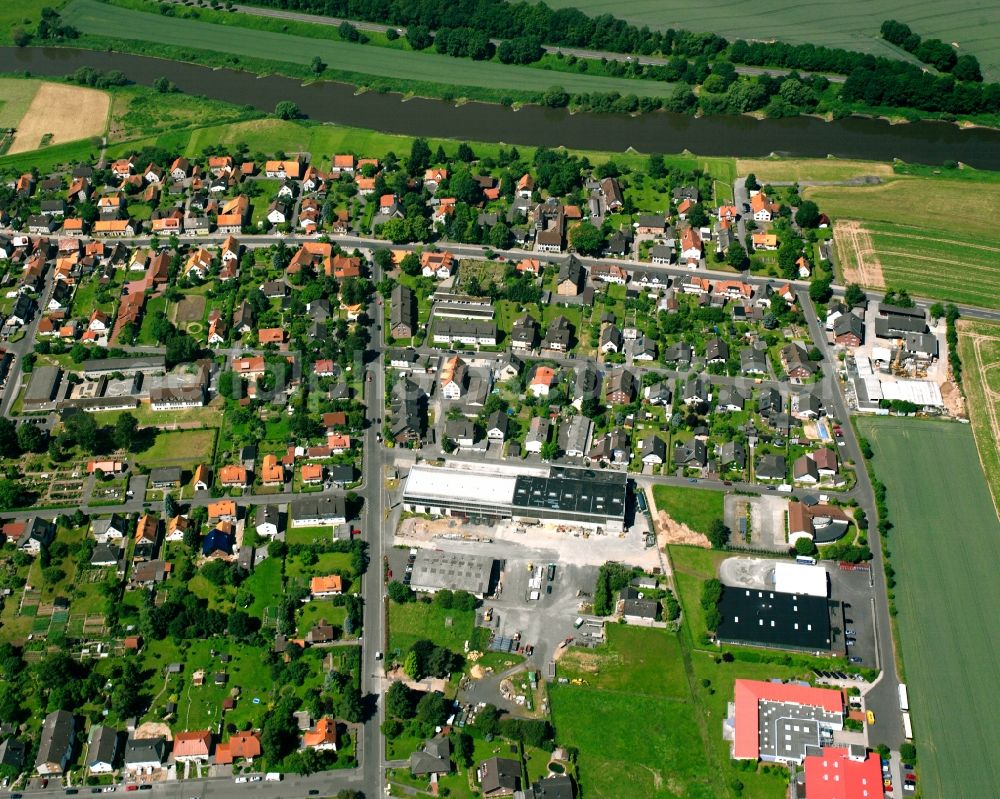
[763, 519]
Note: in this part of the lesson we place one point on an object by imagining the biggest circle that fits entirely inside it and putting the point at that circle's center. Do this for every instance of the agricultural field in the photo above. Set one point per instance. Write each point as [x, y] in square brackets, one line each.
[852, 25]
[91, 17]
[945, 553]
[885, 236]
[979, 349]
[58, 114]
[16, 95]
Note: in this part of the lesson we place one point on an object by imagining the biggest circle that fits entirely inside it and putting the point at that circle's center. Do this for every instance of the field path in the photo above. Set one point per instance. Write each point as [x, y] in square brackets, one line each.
[67, 113]
[858, 259]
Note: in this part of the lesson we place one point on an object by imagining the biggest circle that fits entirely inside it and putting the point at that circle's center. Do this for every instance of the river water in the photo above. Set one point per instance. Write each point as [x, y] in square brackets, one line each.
[856, 137]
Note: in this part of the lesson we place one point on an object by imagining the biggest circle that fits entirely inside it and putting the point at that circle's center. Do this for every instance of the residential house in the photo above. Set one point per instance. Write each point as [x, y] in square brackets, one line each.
[437, 264]
[691, 247]
[323, 738]
[102, 749]
[433, 758]
[288, 169]
[403, 314]
[795, 361]
[35, 534]
[542, 381]
[330, 585]
[147, 538]
[653, 449]
[454, 378]
[319, 511]
[241, 746]
[233, 477]
[610, 340]
[55, 745]
[753, 361]
[716, 350]
[112, 528]
[612, 194]
[691, 454]
[771, 467]
[524, 333]
[731, 399]
[268, 520]
[762, 208]
[652, 225]
[192, 747]
[733, 455]
[569, 281]
[613, 447]
[558, 335]
[499, 776]
[575, 436]
[621, 387]
[272, 471]
[497, 425]
[764, 241]
[538, 434]
[848, 330]
[145, 755]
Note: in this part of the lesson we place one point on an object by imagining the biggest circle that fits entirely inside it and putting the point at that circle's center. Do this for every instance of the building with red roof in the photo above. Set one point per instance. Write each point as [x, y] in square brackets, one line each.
[840, 772]
[775, 721]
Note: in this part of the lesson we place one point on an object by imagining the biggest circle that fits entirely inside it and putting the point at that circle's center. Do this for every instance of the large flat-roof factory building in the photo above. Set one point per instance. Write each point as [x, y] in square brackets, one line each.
[436, 571]
[555, 495]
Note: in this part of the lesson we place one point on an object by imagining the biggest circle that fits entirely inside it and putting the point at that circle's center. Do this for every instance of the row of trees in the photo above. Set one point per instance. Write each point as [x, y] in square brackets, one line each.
[938, 54]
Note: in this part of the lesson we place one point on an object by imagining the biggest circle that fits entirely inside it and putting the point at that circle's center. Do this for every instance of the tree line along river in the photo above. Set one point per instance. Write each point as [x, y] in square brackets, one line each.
[741, 136]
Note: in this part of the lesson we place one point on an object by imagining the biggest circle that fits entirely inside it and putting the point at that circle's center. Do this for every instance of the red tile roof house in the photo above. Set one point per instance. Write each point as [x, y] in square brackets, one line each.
[271, 335]
[312, 473]
[324, 368]
[244, 746]
[192, 746]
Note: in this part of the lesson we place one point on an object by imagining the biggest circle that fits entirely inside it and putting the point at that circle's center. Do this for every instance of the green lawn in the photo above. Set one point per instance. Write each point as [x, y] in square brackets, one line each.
[416, 620]
[185, 448]
[641, 728]
[91, 17]
[695, 507]
[265, 585]
[852, 25]
[944, 545]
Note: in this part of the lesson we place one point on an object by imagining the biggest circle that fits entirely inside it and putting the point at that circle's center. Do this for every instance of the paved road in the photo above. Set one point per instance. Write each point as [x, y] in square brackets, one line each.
[477, 251]
[596, 55]
[883, 697]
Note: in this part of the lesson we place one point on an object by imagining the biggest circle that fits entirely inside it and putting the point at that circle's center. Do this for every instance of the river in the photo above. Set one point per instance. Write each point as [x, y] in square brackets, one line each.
[855, 137]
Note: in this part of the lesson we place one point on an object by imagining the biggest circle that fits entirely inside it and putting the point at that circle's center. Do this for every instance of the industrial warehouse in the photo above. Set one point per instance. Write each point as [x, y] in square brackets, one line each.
[555, 495]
